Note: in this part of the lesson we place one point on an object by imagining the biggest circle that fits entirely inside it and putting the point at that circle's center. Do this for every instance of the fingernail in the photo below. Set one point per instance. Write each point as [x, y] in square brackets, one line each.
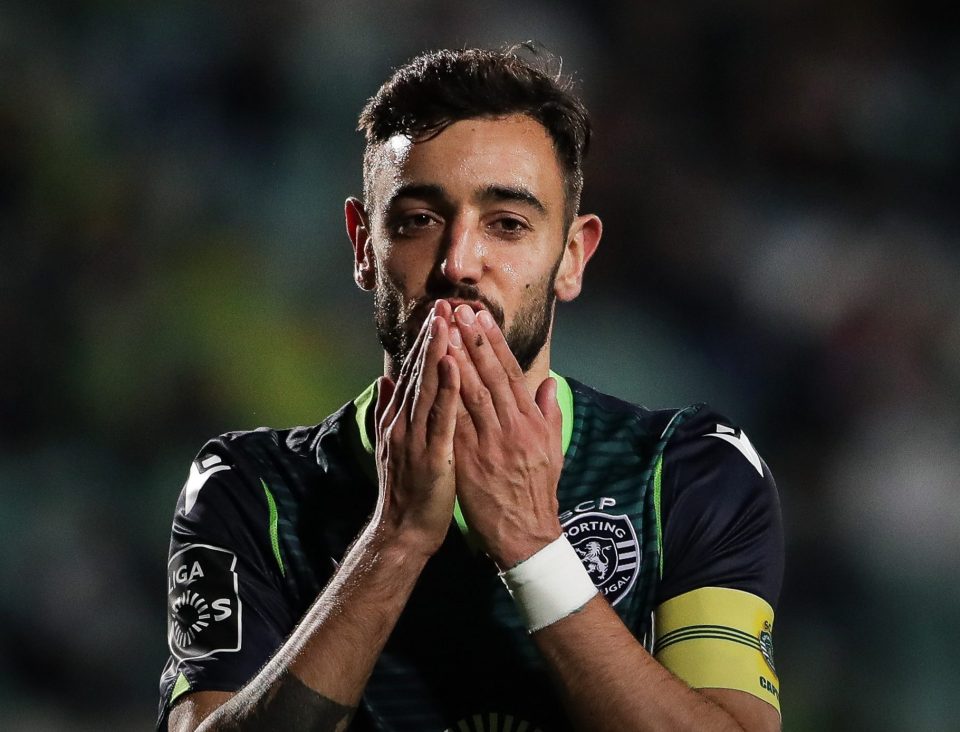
[486, 319]
[455, 339]
[465, 314]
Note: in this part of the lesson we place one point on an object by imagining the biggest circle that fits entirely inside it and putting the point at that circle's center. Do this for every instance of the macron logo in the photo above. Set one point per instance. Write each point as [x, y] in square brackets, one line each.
[200, 474]
[741, 442]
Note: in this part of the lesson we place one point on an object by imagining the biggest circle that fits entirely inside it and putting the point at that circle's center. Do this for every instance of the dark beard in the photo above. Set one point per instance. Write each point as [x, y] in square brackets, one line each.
[398, 324]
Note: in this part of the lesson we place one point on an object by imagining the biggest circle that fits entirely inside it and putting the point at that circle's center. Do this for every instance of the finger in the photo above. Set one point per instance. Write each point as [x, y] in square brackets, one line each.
[382, 409]
[466, 433]
[412, 384]
[474, 395]
[406, 371]
[427, 379]
[546, 401]
[443, 310]
[476, 332]
[442, 421]
[508, 362]
[466, 441]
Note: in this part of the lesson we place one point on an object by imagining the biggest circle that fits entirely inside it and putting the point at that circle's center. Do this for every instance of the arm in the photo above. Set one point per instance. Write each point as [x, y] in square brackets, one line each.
[609, 682]
[508, 493]
[315, 680]
[317, 677]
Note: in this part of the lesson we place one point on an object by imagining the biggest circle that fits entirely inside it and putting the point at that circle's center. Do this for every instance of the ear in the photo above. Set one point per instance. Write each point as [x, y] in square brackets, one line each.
[582, 241]
[364, 263]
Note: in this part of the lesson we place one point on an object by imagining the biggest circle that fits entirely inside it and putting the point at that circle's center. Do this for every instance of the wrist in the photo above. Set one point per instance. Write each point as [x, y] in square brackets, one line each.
[406, 544]
[550, 585]
[508, 553]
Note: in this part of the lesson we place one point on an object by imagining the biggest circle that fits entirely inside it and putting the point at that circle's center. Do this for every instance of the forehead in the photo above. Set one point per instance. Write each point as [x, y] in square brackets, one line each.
[473, 154]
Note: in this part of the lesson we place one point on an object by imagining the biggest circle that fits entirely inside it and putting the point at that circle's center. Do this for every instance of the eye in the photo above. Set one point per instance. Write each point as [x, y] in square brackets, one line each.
[413, 223]
[510, 227]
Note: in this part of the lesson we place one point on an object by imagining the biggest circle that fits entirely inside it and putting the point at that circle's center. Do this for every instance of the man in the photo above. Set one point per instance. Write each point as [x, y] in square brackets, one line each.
[347, 573]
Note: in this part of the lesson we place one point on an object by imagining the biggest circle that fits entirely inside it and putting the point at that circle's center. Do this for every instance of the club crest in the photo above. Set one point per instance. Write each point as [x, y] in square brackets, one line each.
[608, 547]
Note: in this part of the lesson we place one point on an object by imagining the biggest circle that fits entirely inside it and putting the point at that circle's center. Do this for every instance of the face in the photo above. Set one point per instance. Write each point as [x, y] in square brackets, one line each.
[473, 215]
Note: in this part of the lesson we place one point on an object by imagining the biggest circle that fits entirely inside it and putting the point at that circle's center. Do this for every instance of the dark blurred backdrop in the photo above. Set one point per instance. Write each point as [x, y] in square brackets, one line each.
[779, 187]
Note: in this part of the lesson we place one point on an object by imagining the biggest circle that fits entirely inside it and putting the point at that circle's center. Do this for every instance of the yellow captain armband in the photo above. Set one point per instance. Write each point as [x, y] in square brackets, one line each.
[718, 638]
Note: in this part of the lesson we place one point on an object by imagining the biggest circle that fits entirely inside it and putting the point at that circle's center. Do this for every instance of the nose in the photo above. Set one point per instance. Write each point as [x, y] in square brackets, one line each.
[463, 259]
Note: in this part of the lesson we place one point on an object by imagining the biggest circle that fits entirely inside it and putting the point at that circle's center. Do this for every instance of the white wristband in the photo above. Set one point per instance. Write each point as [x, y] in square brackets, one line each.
[550, 585]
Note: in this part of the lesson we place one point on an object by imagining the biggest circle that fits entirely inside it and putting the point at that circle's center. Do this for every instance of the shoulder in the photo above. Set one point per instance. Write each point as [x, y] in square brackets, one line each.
[229, 473]
[719, 510]
[705, 449]
[691, 442]
[594, 409]
[228, 465]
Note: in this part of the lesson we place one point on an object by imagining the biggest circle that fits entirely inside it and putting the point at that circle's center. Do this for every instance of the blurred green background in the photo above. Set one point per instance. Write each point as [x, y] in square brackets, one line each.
[779, 187]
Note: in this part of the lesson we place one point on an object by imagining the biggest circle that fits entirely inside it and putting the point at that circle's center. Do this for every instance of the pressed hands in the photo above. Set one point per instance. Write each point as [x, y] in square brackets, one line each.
[460, 422]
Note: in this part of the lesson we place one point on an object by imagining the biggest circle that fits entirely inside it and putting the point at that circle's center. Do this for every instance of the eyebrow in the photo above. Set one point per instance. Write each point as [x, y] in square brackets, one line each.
[513, 193]
[432, 191]
[428, 191]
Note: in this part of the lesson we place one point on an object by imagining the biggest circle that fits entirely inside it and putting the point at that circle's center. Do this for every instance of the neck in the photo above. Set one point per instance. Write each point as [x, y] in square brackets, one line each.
[539, 370]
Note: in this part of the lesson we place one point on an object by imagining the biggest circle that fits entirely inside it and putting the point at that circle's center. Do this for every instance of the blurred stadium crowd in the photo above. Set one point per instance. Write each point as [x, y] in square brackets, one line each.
[779, 187]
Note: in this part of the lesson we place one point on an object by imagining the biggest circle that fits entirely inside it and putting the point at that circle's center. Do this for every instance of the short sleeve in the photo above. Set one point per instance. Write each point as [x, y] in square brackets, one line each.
[720, 513]
[722, 559]
[227, 613]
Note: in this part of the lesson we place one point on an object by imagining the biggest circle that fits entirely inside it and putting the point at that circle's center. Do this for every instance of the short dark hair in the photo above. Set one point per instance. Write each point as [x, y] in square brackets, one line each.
[438, 88]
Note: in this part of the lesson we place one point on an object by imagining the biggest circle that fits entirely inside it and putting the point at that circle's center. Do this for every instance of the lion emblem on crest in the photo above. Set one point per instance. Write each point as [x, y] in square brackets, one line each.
[607, 546]
[595, 557]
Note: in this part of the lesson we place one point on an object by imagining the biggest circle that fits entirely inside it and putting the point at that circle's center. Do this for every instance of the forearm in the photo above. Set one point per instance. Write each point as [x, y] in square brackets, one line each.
[316, 679]
[608, 681]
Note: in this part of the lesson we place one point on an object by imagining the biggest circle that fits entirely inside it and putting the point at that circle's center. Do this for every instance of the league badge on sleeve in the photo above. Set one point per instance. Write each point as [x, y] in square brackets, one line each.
[608, 547]
[203, 602]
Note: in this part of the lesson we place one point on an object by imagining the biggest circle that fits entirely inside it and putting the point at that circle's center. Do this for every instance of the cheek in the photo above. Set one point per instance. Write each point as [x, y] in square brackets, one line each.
[390, 271]
[521, 279]
[511, 274]
[413, 257]
[519, 269]
[399, 266]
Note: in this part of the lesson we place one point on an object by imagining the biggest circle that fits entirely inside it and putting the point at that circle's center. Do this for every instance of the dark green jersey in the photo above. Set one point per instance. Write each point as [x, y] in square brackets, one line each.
[653, 506]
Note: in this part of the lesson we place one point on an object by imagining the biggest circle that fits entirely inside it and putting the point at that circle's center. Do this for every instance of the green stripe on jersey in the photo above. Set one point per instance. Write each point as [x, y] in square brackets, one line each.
[679, 418]
[657, 479]
[180, 688]
[565, 400]
[363, 404]
[274, 538]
